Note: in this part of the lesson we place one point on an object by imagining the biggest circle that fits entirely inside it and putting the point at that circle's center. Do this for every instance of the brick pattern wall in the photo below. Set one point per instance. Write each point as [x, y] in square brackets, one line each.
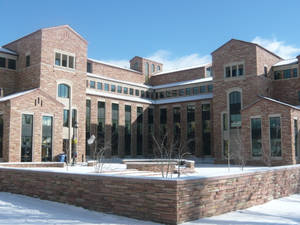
[164, 201]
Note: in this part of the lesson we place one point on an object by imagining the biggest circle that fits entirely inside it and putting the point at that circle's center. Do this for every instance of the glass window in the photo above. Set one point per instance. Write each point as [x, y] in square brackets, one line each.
[256, 137]
[125, 90]
[89, 67]
[234, 71]
[266, 71]
[64, 60]
[150, 130]
[136, 66]
[174, 93]
[74, 117]
[57, 59]
[11, 64]
[225, 122]
[137, 92]
[195, 90]
[295, 72]
[119, 89]
[113, 88]
[153, 68]
[181, 92]
[161, 94]
[66, 118]
[208, 72]
[188, 91]
[287, 73]
[63, 91]
[275, 136]
[139, 147]
[163, 122]
[106, 87]
[47, 139]
[127, 129]
[101, 124]
[158, 68]
[191, 127]
[227, 71]
[88, 126]
[277, 75]
[168, 93]
[206, 129]
[131, 91]
[241, 69]
[2, 62]
[27, 60]
[176, 126]
[210, 88]
[235, 109]
[115, 129]
[202, 89]
[142, 93]
[296, 134]
[1, 136]
[92, 84]
[99, 86]
[26, 139]
[71, 62]
[147, 69]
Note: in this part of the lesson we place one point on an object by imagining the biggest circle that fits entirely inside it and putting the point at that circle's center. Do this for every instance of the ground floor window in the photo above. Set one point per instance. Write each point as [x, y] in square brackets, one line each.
[256, 137]
[127, 129]
[47, 138]
[191, 128]
[275, 136]
[139, 130]
[296, 136]
[206, 129]
[26, 139]
[1, 136]
[115, 129]
[150, 130]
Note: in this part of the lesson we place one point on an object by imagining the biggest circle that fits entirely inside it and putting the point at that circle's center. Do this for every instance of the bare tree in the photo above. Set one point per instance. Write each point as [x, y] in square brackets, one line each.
[238, 152]
[181, 151]
[100, 157]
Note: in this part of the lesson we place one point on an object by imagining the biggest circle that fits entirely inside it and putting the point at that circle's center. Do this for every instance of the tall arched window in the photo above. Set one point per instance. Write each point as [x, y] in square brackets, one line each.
[235, 109]
[63, 91]
[147, 68]
[153, 68]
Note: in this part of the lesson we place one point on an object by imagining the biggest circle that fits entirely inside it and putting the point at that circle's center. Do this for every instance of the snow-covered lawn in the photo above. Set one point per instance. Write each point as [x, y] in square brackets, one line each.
[119, 169]
[23, 210]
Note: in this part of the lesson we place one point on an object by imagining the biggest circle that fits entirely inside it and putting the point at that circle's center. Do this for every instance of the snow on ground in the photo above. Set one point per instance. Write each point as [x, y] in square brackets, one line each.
[119, 169]
[23, 210]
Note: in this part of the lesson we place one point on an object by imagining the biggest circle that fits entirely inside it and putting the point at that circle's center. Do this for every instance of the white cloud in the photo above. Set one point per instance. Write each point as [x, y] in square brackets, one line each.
[169, 61]
[278, 47]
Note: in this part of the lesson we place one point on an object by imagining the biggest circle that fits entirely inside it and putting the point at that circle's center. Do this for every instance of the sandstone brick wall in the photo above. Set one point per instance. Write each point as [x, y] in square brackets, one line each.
[181, 75]
[164, 201]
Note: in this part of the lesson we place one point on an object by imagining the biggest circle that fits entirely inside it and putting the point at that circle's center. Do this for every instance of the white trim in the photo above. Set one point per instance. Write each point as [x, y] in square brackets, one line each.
[184, 99]
[182, 83]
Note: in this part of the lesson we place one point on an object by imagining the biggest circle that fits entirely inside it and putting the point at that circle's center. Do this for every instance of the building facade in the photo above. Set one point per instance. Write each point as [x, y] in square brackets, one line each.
[54, 98]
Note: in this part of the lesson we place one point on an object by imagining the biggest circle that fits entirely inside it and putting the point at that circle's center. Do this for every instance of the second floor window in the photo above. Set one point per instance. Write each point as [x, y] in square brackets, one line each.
[234, 70]
[64, 60]
[63, 91]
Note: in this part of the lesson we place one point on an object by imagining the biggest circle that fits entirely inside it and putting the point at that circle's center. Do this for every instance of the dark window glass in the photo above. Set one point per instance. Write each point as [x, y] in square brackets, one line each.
[27, 60]
[119, 89]
[99, 86]
[176, 126]
[125, 90]
[161, 94]
[74, 117]
[202, 89]
[47, 138]
[296, 136]
[275, 136]
[115, 129]
[92, 84]
[287, 73]
[64, 60]
[265, 71]
[71, 62]
[11, 64]
[63, 91]
[158, 68]
[241, 69]
[127, 129]
[131, 91]
[137, 92]
[163, 122]
[206, 129]
[150, 130]
[66, 118]
[1, 136]
[235, 109]
[89, 67]
[210, 88]
[188, 91]
[191, 128]
[227, 71]
[153, 68]
[174, 93]
[139, 131]
[26, 139]
[106, 87]
[277, 75]
[2, 62]
[101, 124]
[298, 96]
[234, 71]
[113, 88]
[168, 93]
[256, 137]
[295, 72]
[195, 90]
[181, 92]
[57, 59]
[142, 94]
[88, 126]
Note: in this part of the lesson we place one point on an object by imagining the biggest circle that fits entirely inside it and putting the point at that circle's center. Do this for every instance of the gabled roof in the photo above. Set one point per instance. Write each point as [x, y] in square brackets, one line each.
[286, 62]
[7, 51]
[272, 100]
[249, 43]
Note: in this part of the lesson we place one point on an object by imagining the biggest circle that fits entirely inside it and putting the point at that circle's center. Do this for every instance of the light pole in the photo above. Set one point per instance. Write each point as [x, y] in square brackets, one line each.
[74, 144]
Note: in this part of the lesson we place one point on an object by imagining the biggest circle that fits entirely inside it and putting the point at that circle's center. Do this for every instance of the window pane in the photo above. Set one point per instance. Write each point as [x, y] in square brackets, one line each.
[66, 118]
[113, 88]
[153, 68]
[119, 89]
[202, 89]
[57, 59]
[256, 137]
[188, 91]
[26, 139]
[234, 71]
[235, 109]
[89, 67]
[71, 62]
[2, 62]
[47, 138]
[27, 60]
[181, 92]
[195, 90]
[210, 88]
[287, 73]
[137, 92]
[125, 90]
[131, 91]
[295, 72]
[64, 60]
[74, 117]
[11, 64]
[63, 91]
[227, 71]
[99, 86]
[241, 70]
[275, 136]
[106, 87]
[92, 84]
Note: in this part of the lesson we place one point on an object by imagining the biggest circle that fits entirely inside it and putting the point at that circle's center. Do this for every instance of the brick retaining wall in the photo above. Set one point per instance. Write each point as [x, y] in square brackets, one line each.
[165, 201]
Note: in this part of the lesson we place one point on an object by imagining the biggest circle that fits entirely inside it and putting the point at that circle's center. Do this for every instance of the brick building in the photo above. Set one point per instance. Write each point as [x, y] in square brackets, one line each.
[245, 101]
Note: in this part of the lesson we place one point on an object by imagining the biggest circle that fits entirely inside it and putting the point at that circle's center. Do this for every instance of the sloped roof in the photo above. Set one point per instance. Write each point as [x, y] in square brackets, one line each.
[286, 62]
[249, 43]
[5, 50]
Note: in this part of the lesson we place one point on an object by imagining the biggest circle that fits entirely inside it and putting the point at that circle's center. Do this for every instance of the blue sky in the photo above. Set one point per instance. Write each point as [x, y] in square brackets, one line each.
[178, 33]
